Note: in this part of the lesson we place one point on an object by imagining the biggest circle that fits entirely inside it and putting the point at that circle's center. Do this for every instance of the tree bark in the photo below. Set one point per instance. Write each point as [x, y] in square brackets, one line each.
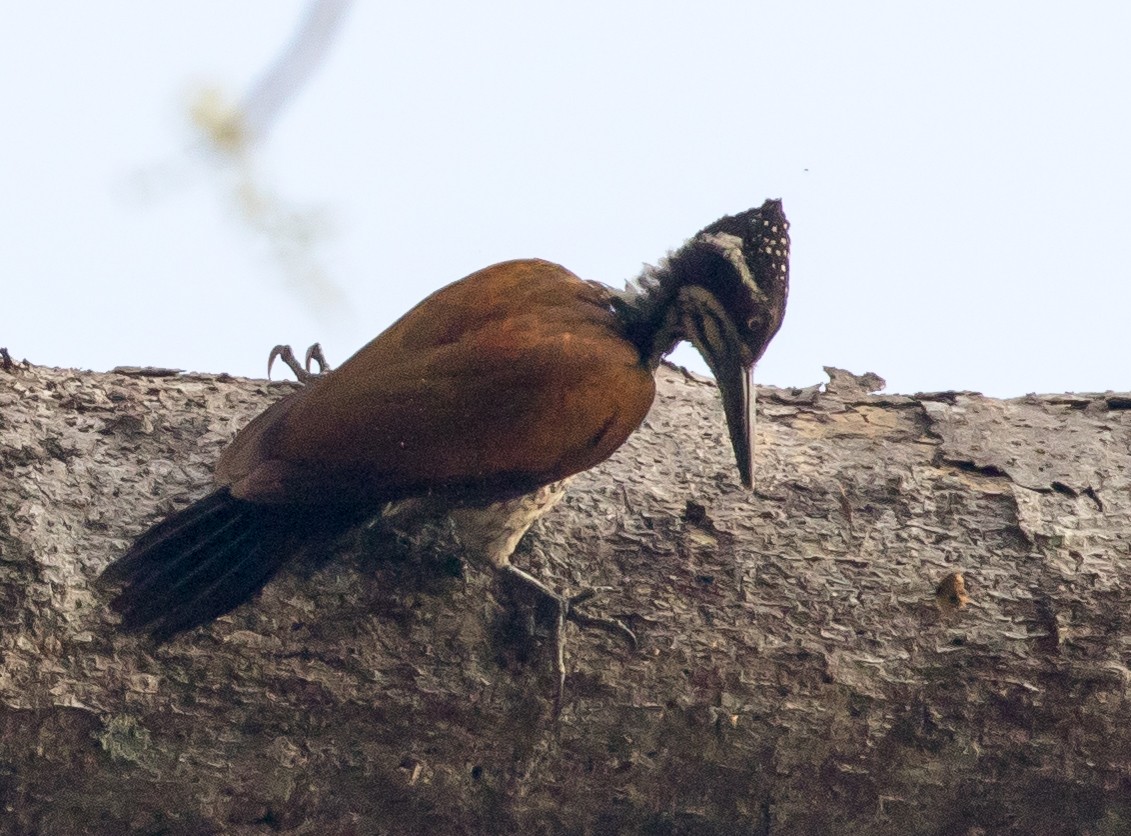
[805, 665]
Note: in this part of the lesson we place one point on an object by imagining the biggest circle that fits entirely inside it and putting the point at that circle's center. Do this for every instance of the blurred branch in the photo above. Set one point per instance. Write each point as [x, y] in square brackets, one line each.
[303, 55]
[234, 128]
[230, 131]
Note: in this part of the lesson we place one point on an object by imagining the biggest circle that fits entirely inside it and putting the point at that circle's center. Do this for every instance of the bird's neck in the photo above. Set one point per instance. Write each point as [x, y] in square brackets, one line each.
[650, 310]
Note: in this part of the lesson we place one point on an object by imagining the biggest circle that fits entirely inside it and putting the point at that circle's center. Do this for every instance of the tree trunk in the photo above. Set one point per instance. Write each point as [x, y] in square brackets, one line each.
[807, 664]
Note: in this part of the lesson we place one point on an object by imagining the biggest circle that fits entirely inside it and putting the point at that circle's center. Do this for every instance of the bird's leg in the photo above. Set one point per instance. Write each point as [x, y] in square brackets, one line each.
[302, 373]
[565, 609]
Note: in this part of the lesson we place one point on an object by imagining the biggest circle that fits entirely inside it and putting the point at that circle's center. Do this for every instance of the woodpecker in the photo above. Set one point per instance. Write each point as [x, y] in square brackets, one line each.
[475, 406]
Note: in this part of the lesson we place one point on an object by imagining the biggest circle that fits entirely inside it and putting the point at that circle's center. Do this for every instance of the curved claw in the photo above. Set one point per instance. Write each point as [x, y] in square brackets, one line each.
[314, 354]
[302, 373]
[284, 353]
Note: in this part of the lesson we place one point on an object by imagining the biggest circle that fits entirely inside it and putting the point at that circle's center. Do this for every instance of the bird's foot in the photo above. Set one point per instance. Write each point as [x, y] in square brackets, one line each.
[303, 373]
[565, 609]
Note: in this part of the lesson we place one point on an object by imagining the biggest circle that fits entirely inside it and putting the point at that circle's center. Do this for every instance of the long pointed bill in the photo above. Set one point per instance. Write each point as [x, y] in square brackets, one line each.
[737, 390]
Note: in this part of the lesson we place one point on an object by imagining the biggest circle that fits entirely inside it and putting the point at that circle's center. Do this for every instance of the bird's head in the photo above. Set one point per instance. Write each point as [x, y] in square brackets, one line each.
[730, 305]
[725, 292]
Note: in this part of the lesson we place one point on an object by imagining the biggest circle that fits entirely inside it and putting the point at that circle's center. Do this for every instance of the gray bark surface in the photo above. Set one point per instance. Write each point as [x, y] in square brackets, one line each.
[797, 673]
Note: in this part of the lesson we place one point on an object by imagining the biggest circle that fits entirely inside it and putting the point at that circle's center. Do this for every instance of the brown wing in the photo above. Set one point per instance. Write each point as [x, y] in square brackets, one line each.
[513, 377]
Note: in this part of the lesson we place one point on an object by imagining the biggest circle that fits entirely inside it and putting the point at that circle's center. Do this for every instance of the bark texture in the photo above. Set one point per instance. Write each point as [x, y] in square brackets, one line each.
[798, 673]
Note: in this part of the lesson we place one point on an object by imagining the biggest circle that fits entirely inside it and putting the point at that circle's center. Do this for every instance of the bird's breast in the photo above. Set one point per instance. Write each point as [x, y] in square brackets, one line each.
[488, 534]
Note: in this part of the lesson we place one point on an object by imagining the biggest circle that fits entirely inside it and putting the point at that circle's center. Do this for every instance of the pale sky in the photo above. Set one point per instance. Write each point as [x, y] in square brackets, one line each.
[956, 174]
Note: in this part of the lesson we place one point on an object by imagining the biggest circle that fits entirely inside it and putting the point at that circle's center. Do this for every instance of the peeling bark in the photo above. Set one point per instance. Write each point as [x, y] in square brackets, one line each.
[798, 673]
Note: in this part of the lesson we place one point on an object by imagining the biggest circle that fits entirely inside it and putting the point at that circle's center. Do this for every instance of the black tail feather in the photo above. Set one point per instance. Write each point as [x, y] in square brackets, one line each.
[251, 572]
[186, 525]
[178, 591]
[172, 563]
[199, 563]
